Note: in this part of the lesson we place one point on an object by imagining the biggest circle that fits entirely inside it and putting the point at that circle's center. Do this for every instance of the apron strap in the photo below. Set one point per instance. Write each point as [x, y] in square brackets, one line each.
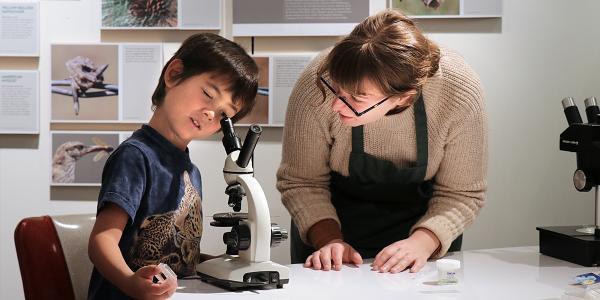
[357, 139]
[421, 134]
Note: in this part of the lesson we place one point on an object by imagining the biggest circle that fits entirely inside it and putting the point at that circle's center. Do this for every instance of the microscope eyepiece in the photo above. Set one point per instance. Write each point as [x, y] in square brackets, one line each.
[571, 111]
[591, 110]
[249, 144]
[231, 141]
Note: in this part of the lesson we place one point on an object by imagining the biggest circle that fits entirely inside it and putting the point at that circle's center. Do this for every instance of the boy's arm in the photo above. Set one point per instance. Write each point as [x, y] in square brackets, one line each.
[104, 252]
[103, 248]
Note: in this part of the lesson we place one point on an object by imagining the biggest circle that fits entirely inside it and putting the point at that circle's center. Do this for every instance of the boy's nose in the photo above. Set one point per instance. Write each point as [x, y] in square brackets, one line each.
[209, 115]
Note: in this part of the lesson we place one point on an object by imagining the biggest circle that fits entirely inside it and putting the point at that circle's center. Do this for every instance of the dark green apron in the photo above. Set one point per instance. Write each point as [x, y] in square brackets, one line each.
[378, 203]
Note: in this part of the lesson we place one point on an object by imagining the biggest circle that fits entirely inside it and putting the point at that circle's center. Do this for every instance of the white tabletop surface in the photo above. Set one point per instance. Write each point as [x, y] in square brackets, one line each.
[504, 273]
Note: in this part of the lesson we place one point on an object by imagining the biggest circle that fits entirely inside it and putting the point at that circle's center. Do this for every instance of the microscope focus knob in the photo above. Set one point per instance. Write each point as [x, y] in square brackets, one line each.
[581, 181]
[238, 238]
[278, 235]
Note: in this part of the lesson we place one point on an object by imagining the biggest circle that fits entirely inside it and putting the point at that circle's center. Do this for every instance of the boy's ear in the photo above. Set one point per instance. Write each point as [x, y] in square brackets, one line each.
[174, 68]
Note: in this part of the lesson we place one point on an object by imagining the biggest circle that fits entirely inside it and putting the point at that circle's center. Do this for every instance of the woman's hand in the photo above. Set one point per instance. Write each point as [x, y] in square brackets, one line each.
[336, 252]
[142, 287]
[413, 251]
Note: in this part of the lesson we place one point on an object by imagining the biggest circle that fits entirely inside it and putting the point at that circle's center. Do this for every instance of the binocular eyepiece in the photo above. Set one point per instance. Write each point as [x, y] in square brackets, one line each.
[232, 142]
[572, 112]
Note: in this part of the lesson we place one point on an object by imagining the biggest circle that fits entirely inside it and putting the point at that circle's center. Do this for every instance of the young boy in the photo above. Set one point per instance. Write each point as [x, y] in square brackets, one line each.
[149, 207]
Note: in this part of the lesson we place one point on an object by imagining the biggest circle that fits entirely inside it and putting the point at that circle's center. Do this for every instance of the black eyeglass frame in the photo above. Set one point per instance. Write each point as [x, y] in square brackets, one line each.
[343, 99]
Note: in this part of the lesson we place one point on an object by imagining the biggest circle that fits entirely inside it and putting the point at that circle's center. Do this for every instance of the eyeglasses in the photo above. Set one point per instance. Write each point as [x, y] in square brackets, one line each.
[343, 99]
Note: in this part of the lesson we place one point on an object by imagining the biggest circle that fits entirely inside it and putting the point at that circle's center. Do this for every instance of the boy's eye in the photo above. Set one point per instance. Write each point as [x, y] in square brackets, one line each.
[207, 94]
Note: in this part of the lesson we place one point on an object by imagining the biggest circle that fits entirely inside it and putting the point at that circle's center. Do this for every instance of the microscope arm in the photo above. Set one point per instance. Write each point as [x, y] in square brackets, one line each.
[259, 221]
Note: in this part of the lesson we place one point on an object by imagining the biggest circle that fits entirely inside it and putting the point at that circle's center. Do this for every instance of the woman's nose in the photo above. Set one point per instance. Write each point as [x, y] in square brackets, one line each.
[337, 104]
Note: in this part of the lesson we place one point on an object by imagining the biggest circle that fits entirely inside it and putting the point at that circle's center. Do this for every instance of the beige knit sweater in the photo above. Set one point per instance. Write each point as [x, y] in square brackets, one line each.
[315, 142]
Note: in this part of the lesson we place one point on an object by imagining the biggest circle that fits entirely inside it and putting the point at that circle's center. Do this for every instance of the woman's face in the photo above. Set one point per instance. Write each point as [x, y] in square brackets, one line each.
[367, 96]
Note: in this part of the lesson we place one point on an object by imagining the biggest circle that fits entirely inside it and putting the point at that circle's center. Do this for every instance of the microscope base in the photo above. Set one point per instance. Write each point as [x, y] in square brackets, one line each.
[232, 273]
[564, 242]
[235, 286]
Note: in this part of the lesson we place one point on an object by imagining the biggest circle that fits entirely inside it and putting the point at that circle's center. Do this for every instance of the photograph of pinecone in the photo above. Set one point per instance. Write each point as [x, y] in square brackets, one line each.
[139, 13]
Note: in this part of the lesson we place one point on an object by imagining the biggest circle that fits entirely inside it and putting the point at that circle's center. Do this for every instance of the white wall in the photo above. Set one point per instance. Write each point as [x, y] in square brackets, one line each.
[538, 53]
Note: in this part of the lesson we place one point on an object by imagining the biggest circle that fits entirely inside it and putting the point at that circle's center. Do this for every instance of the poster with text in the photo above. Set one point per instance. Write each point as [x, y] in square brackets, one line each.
[285, 69]
[19, 102]
[140, 65]
[19, 29]
[297, 17]
[161, 14]
[78, 158]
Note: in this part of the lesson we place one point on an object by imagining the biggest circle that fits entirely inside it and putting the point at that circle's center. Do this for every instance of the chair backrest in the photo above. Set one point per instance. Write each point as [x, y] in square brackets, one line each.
[52, 254]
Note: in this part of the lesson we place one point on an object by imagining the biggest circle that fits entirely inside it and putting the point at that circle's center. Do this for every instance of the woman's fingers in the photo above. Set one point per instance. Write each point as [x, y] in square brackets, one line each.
[308, 262]
[393, 261]
[402, 264]
[316, 260]
[333, 256]
[418, 265]
[337, 254]
[326, 259]
[383, 256]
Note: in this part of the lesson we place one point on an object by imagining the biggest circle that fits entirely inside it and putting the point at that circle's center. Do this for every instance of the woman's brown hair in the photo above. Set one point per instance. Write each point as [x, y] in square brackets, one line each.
[386, 48]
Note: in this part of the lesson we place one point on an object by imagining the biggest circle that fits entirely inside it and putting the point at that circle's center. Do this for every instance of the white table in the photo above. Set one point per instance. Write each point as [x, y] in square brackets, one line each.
[504, 273]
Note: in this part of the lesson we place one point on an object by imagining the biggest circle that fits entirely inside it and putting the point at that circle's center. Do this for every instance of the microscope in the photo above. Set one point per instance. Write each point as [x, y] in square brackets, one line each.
[579, 244]
[246, 263]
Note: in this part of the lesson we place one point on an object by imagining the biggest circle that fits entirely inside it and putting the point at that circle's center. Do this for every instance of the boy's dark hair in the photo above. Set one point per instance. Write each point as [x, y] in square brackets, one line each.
[208, 52]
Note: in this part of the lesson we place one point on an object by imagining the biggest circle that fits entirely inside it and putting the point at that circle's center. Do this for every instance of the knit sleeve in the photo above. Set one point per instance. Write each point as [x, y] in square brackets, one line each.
[460, 181]
[303, 176]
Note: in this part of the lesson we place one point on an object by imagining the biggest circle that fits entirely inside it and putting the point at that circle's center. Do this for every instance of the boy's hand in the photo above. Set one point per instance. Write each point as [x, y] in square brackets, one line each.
[412, 252]
[142, 287]
[336, 251]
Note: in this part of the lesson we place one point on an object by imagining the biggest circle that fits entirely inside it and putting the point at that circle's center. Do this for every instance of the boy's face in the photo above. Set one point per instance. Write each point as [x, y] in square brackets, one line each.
[193, 108]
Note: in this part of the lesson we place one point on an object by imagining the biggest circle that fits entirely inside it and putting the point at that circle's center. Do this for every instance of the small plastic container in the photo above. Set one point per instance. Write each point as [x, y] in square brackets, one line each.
[166, 273]
[447, 270]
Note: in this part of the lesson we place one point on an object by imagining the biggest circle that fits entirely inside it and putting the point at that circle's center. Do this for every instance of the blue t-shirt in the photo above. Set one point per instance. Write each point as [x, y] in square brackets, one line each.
[160, 188]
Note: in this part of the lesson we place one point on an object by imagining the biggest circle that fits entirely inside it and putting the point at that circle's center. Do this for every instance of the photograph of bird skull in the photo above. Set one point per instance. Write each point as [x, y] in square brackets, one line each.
[139, 13]
[84, 82]
[427, 7]
[80, 157]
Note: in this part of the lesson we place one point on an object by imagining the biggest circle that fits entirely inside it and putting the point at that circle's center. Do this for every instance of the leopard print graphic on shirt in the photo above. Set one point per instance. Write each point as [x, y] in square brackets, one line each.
[172, 238]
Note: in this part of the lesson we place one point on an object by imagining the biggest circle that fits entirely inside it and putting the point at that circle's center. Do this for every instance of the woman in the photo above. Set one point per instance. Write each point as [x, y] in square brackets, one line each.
[384, 150]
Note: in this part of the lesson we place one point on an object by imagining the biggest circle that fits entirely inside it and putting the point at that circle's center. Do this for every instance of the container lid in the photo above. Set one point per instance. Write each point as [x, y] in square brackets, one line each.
[446, 263]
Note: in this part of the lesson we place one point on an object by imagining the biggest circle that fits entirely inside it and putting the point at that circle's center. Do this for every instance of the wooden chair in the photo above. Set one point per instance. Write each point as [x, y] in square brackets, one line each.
[52, 254]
